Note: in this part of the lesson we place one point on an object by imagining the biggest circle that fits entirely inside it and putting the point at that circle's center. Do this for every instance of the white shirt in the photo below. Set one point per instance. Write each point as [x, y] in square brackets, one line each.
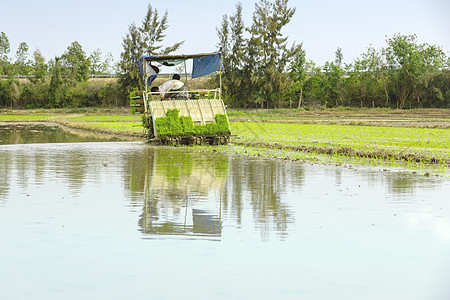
[170, 85]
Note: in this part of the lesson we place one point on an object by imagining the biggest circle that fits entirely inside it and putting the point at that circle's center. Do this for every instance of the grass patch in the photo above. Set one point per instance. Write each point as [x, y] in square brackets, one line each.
[124, 127]
[24, 118]
[129, 126]
[108, 118]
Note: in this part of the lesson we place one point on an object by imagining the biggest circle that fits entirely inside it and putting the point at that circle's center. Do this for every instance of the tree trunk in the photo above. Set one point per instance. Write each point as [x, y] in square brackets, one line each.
[419, 102]
[388, 103]
[403, 96]
[300, 98]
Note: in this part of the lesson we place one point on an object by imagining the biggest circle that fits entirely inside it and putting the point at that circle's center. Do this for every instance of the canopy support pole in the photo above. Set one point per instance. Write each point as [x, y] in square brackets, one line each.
[185, 74]
[220, 77]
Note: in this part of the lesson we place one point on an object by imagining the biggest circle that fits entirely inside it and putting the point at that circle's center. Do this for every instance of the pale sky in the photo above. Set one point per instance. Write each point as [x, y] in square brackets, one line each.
[322, 25]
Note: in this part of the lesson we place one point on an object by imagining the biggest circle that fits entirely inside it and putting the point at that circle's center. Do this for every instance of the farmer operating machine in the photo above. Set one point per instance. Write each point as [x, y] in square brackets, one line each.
[179, 115]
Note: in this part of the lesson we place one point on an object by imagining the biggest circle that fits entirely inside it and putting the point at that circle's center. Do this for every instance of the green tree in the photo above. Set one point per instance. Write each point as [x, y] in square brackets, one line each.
[236, 78]
[314, 91]
[237, 39]
[438, 90]
[129, 77]
[224, 36]
[5, 92]
[97, 65]
[74, 64]
[146, 39]
[56, 91]
[101, 65]
[339, 57]
[152, 33]
[298, 73]
[5, 48]
[333, 84]
[109, 64]
[271, 48]
[409, 64]
[366, 85]
[39, 68]
[334, 81]
[22, 63]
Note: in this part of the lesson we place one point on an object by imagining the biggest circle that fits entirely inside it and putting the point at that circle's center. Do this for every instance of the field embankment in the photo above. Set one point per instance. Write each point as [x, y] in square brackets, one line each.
[115, 121]
[431, 118]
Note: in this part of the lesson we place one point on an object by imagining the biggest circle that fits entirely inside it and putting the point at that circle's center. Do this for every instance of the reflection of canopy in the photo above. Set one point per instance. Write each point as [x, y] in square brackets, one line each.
[206, 222]
[203, 64]
[191, 222]
[183, 195]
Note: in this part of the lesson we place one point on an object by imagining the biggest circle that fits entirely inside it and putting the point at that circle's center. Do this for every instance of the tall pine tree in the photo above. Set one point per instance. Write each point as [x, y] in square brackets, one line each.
[272, 52]
[146, 39]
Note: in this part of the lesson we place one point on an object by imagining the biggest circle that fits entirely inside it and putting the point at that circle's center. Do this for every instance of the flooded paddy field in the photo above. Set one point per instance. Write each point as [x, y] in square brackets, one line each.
[32, 133]
[121, 220]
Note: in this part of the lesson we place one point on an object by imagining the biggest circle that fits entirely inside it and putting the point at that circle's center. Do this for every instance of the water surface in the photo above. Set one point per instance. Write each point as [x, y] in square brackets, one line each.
[30, 133]
[128, 220]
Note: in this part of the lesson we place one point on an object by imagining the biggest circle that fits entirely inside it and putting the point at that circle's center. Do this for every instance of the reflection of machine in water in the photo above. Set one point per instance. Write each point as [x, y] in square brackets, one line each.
[183, 195]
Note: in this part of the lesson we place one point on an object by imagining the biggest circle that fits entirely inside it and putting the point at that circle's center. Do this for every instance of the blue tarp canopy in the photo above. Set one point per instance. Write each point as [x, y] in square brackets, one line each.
[203, 64]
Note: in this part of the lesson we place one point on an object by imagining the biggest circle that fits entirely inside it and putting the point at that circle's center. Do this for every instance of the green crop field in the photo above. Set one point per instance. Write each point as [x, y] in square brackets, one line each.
[432, 143]
[417, 139]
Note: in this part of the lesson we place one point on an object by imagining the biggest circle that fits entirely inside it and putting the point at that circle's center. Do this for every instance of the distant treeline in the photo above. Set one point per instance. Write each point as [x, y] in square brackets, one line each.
[60, 82]
[260, 69]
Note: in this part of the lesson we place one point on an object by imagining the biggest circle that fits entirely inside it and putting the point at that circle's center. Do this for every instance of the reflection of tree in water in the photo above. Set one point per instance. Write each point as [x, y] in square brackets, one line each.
[5, 175]
[41, 163]
[181, 191]
[137, 169]
[34, 165]
[26, 164]
[189, 193]
[77, 169]
[31, 164]
[44, 133]
[400, 184]
[38, 162]
[264, 183]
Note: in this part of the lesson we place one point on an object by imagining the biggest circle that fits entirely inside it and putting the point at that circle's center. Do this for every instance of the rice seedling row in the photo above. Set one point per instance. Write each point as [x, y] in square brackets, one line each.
[412, 144]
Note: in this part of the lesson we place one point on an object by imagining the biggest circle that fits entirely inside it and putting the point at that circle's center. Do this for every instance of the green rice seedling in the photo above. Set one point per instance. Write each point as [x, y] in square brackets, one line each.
[187, 124]
[369, 141]
[162, 125]
[394, 147]
[174, 125]
[222, 124]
